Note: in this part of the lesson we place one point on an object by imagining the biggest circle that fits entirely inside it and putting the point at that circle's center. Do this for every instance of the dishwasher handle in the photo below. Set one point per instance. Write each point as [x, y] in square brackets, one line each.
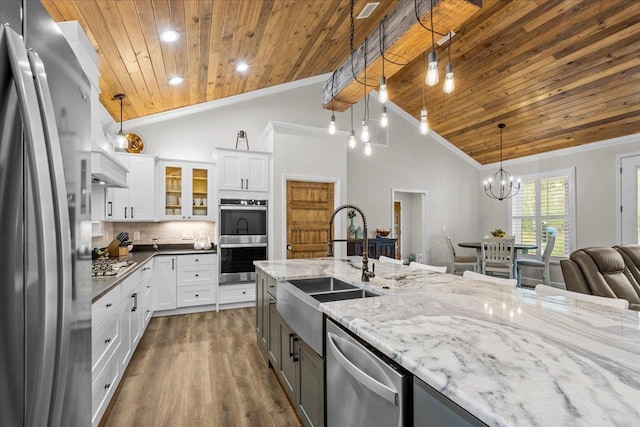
[369, 382]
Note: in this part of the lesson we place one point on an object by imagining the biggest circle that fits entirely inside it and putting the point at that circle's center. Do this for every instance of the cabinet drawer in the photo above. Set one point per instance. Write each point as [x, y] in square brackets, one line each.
[237, 293]
[189, 296]
[272, 286]
[103, 388]
[196, 275]
[106, 305]
[104, 340]
[197, 259]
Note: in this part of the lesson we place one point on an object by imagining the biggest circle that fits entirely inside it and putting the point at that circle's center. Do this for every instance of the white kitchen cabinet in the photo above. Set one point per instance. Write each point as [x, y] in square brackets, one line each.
[136, 203]
[196, 284]
[186, 191]
[243, 170]
[146, 294]
[131, 318]
[164, 283]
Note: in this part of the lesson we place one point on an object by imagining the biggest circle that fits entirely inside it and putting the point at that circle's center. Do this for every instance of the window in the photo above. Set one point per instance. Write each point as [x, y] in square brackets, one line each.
[544, 207]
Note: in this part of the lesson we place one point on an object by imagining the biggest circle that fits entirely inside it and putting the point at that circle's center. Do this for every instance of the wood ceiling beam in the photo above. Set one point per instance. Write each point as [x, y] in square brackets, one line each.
[405, 40]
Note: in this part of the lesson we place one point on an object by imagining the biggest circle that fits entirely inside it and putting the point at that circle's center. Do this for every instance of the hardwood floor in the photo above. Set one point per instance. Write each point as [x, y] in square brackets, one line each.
[200, 369]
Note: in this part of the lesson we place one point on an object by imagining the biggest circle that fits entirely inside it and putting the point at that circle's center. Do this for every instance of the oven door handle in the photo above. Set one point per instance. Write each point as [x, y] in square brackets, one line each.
[242, 245]
[243, 208]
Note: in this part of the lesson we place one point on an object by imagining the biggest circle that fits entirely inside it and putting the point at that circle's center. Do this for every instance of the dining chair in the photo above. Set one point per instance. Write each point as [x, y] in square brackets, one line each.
[542, 263]
[386, 260]
[498, 255]
[489, 279]
[544, 290]
[419, 266]
[464, 262]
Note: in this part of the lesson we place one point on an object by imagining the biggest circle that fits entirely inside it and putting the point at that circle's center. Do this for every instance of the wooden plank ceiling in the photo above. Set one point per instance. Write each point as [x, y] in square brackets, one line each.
[559, 73]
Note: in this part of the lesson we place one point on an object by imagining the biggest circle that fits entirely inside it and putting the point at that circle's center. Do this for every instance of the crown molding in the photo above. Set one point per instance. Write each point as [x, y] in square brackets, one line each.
[223, 102]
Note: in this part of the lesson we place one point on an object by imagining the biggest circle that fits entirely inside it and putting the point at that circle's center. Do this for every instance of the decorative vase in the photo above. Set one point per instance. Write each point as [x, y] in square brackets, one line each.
[352, 229]
[207, 244]
[359, 233]
[199, 244]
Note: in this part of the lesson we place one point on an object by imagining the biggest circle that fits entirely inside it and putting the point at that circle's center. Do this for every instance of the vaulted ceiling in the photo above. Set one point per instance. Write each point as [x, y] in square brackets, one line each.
[559, 73]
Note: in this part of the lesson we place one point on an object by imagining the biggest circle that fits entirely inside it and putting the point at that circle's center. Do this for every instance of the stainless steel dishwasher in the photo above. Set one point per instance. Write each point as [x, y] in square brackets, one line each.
[362, 388]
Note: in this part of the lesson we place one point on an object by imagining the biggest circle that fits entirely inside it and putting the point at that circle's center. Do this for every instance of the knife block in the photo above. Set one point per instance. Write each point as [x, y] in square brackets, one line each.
[115, 250]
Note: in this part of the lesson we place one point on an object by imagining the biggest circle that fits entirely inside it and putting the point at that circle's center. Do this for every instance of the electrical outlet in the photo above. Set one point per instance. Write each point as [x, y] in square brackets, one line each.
[136, 235]
[187, 236]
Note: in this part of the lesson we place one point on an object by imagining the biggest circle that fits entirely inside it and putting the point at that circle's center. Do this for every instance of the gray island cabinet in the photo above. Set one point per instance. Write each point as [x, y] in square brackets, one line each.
[299, 369]
[492, 354]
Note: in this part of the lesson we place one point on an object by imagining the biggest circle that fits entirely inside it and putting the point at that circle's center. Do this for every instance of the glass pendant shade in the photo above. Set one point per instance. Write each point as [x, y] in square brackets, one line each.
[352, 140]
[332, 125]
[121, 140]
[384, 118]
[383, 96]
[367, 149]
[432, 70]
[424, 123]
[449, 84]
[364, 134]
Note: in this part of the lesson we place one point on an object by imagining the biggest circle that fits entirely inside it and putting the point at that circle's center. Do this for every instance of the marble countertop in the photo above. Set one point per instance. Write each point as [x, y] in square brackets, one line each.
[100, 286]
[506, 357]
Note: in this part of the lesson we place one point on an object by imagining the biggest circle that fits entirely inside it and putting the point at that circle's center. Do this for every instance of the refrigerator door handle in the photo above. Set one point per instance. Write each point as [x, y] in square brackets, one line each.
[65, 256]
[38, 410]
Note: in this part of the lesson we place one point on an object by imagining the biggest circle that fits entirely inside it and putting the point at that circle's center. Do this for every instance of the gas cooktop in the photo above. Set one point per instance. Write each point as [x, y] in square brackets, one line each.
[103, 268]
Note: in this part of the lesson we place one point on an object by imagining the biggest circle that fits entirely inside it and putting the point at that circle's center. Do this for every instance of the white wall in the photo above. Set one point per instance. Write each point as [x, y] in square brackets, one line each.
[597, 208]
[416, 162]
[310, 156]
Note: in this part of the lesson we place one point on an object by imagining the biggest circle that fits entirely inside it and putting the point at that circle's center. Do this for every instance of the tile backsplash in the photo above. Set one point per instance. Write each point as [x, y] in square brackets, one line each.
[165, 232]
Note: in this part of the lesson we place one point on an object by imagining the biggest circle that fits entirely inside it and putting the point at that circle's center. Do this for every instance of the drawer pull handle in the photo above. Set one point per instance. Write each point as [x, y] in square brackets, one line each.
[197, 295]
[148, 286]
[272, 286]
[108, 305]
[196, 259]
[197, 275]
[244, 292]
[106, 386]
[107, 341]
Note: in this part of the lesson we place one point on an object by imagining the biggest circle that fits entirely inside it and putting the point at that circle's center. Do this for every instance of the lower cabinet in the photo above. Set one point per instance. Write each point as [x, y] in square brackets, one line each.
[164, 281]
[118, 321]
[301, 373]
[300, 370]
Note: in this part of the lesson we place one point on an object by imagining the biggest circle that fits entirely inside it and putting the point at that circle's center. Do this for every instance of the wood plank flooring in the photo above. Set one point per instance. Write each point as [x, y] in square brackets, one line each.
[200, 369]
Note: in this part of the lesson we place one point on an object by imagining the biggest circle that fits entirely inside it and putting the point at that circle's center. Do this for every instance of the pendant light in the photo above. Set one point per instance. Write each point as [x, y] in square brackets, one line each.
[449, 84]
[332, 123]
[432, 68]
[383, 95]
[501, 185]
[364, 134]
[424, 120]
[121, 138]
[352, 135]
[384, 119]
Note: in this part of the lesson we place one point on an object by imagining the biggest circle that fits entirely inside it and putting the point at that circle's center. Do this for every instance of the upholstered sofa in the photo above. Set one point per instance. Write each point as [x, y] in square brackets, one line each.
[606, 272]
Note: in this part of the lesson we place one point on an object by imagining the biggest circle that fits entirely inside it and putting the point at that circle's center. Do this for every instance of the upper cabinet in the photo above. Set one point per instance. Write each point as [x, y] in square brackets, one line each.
[136, 203]
[243, 171]
[186, 190]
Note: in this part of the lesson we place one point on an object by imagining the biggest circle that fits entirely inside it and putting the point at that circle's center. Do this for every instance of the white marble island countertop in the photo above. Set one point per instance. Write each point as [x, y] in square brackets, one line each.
[497, 352]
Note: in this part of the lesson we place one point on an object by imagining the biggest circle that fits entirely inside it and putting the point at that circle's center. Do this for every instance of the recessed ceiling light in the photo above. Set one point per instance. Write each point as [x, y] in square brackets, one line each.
[169, 36]
[176, 80]
[241, 67]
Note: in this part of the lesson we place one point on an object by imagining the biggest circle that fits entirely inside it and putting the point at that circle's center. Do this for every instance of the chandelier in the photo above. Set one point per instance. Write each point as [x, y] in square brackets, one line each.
[501, 185]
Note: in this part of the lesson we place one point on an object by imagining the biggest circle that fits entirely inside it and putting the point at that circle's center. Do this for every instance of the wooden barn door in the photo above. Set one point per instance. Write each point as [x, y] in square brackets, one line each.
[309, 207]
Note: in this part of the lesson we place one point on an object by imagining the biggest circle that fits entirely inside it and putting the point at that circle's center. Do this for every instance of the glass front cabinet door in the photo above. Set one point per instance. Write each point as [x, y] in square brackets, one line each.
[187, 191]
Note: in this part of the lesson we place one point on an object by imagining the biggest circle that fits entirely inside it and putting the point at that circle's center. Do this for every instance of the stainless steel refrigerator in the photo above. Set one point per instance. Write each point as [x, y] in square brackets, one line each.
[45, 229]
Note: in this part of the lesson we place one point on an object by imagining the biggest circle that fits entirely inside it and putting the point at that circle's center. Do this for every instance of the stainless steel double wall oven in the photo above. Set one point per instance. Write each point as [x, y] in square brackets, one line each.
[243, 239]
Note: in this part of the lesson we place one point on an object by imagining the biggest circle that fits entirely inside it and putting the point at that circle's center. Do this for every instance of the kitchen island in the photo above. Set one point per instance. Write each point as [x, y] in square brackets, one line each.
[505, 357]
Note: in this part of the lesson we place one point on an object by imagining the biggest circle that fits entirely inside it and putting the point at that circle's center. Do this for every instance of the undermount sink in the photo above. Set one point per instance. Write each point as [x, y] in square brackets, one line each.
[321, 284]
[299, 301]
